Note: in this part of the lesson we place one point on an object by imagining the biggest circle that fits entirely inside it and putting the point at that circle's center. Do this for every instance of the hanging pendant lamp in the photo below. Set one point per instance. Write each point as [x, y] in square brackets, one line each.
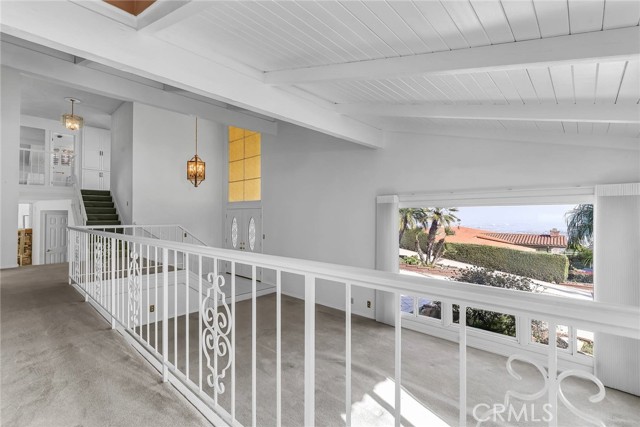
[72, 121]
[195, 166]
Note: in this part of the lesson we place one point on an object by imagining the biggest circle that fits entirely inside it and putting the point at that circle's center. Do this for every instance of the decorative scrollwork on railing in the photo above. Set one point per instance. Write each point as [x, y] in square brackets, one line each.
[98, 263]
[528, 397]
[133, 287]
[217, 320]
[593, 399]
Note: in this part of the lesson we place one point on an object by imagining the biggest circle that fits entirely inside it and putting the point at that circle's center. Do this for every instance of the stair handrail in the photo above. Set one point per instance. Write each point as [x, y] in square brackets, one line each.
[78, 201]
[187, 233]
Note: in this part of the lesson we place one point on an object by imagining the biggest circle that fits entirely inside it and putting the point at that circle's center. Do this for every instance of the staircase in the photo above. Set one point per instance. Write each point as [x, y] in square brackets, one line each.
[99, 207]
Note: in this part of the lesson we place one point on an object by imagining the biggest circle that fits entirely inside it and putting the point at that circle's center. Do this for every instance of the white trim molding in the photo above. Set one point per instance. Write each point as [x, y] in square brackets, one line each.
[502, 197]
[611, 190]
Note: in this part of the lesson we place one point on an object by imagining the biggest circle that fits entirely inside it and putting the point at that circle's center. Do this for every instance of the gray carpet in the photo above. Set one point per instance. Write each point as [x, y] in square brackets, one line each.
[61, 365]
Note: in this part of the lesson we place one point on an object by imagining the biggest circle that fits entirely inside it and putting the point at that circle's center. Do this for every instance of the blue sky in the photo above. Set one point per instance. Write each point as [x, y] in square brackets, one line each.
[516, 219]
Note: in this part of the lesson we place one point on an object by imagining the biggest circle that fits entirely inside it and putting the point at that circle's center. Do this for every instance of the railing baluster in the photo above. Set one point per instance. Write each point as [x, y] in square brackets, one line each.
[278, 348]
[200, 322]
[347, 351]
[113, 282]
[233, 340]
[553, 374]
[309, 349]
[165, 314]
[124, 308]
[254, 393]
[141, 252]
[186, 328]
[175, 309]
[398, 358]
[146, 309]
[215, 320]
[463, 364]
[155, 308]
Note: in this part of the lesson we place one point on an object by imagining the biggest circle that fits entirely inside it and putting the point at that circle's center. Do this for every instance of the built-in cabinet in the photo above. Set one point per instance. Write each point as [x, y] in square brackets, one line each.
[96, 159]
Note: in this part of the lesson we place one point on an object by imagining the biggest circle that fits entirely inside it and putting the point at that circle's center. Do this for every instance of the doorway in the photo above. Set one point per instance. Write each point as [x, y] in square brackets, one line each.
[243, 232]
[55, 236]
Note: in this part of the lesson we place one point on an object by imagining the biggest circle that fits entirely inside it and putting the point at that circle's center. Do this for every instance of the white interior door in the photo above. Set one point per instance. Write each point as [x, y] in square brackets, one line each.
[91, 149]
[55, 237]
[243, 232]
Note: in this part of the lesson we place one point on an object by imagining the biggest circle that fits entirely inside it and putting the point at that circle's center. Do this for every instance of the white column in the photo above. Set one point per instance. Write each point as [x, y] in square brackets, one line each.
[10, 153]
[617, 280]
[386, 252]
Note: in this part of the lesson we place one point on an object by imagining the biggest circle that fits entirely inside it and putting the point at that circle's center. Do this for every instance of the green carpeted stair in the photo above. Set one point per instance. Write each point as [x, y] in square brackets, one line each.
[99, 207]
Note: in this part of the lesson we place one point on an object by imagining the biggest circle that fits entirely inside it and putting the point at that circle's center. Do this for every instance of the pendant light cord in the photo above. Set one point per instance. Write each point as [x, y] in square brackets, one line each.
[196, 135]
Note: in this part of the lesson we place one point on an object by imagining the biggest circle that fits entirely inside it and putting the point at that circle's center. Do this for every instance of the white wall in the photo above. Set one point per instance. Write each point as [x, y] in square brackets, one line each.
[122, 160]
[9, 148]
[163, 142]
[319, 193]
[24, 215]
[37, 224]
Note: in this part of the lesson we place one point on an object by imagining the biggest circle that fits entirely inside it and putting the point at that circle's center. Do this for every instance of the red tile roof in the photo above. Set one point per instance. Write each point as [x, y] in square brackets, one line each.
[476, 236]
[532, 240]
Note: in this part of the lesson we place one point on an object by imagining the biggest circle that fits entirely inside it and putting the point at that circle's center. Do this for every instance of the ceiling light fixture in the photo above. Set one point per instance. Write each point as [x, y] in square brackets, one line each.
[195, 166]
[72, 121]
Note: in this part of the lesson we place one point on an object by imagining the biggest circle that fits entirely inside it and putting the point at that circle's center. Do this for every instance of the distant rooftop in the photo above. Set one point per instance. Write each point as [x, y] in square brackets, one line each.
[551, 240]
[517, 241]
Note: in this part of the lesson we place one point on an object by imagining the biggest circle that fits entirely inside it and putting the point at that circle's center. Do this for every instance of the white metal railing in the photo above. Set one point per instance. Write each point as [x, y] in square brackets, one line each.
[77, 203]
[47, 168]
[146, 288]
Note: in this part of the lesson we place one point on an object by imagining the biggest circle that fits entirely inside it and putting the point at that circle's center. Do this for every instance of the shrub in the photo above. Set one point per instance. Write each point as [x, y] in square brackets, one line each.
[411, 260]
[580, 278]
[536, 265]
[490, 320]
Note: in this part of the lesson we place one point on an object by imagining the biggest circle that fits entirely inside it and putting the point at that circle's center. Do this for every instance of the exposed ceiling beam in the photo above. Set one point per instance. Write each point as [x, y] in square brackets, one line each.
[56, 25]
[593, 113]
[601, 46]
[81, 61]
[610, 142]
[166, 14]
[46, 67]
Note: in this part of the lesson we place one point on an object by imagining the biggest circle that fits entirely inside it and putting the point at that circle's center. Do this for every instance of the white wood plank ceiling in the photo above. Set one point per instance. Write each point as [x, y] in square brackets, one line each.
[352, 69]
[284, 35]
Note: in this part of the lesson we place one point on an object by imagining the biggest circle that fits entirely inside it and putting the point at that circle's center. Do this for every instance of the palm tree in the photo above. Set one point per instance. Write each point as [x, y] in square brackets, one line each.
[407, 221]
[580, 226]
[439, 217]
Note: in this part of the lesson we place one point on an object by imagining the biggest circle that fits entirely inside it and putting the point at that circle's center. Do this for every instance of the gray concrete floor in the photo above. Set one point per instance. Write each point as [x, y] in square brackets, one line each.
[107, 383]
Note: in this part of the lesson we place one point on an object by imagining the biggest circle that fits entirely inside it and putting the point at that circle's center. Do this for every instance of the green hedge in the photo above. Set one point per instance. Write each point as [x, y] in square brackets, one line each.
[536, 265]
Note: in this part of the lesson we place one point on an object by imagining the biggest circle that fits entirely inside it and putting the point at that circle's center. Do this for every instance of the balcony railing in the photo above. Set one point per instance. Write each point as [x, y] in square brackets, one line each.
[178, 304]
[46, 168]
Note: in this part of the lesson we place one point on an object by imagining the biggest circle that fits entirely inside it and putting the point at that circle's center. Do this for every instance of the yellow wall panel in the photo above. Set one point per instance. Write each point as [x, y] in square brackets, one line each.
[236, 150]
[236, 171]
[252, 189]
[252, 145]
[236, 191]
[252, 168]
[235, 133]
